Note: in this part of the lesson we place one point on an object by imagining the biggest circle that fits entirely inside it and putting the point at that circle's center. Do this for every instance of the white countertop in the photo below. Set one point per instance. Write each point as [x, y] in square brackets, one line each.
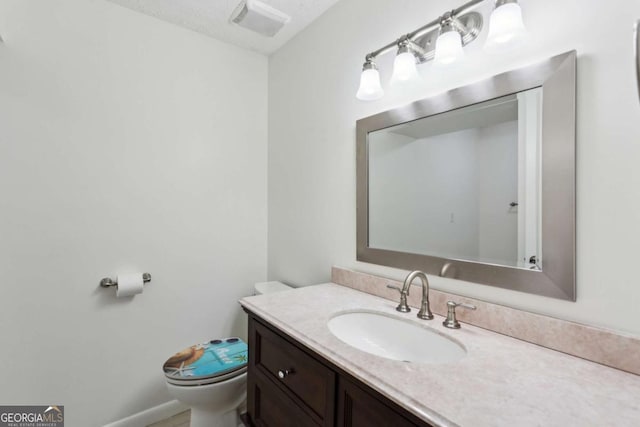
[501, 382]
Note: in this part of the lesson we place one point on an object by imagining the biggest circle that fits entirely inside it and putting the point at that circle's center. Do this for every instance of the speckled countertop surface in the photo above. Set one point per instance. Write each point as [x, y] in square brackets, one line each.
[501, 382]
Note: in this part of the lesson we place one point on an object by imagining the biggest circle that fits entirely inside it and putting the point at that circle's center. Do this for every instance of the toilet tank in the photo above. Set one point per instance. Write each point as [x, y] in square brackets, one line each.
[241, 323]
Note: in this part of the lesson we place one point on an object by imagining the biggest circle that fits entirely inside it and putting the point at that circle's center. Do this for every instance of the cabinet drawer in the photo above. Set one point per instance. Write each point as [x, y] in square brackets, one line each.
[309, 380]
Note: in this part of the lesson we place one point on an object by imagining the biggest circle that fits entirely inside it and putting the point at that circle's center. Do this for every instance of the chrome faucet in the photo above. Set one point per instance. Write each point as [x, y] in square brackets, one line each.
[451, 321]
[425, 310]
[404, 292]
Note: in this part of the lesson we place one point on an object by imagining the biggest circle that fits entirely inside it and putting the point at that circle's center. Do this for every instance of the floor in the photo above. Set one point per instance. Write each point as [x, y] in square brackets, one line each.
[181, 420]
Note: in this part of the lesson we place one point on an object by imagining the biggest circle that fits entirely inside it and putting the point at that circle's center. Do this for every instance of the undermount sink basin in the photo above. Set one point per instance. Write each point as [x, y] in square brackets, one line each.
[393, 338]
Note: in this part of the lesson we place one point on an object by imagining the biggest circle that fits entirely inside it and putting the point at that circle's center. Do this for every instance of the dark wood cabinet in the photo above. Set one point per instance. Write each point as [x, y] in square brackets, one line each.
[271, 407]
[280, 366]
[289, 385]
[357, 408]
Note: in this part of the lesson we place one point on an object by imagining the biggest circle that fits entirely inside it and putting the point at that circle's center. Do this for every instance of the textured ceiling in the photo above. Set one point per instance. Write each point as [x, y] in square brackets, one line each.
[211, 17]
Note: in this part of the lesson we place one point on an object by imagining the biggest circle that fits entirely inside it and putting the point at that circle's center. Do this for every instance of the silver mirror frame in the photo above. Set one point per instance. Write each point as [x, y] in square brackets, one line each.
[557, 78]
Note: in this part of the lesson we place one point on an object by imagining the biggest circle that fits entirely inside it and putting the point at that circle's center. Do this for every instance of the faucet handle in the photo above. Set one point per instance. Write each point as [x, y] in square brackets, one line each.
[451, 321]
[402, 307]
[464, 305]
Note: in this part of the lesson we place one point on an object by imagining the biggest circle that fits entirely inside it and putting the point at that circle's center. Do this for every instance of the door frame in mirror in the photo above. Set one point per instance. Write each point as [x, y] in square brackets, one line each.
[557, 78]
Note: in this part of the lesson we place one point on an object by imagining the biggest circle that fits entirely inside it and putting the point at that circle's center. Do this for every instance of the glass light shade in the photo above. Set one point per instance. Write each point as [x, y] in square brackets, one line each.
[370, 88]
[448, 48]
[404, 67]
[506, 28]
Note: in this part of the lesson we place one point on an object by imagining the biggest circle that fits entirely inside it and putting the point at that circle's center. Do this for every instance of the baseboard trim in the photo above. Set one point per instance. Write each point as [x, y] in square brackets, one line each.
[151, 415]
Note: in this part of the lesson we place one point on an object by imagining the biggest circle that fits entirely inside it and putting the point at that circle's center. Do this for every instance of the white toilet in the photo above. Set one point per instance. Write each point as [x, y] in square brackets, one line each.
[211, 377]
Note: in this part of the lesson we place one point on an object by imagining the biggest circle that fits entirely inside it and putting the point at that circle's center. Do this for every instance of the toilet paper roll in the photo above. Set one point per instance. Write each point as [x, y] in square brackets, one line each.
[129, 284]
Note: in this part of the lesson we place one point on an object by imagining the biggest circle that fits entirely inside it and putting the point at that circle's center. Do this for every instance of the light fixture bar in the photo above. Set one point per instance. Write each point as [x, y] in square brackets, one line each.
[465, 8]
[384, 49]
[417, 35]
[503, 2]
[430, 27]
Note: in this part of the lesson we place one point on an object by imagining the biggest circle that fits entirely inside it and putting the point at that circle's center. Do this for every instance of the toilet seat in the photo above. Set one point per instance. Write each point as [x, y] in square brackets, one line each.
[206, 381]
[207, 363]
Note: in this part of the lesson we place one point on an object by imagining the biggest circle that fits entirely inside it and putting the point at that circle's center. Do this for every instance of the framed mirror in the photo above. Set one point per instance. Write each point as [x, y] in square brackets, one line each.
[476, 184]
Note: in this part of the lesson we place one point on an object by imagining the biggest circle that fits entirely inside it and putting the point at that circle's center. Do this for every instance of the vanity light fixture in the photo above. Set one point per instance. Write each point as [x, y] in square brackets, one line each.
[506, 28]
[370, 88]
[404, 66]
[448, 44]
[442, 40]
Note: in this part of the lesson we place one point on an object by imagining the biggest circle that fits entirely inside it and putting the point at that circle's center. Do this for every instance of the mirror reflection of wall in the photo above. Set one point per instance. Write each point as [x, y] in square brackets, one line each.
[461, 185]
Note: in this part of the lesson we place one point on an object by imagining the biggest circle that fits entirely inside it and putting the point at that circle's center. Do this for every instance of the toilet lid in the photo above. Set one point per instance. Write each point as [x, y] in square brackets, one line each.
[209, 362]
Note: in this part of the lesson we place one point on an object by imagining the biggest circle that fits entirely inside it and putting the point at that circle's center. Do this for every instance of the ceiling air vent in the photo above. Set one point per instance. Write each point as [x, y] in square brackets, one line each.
[259, 17]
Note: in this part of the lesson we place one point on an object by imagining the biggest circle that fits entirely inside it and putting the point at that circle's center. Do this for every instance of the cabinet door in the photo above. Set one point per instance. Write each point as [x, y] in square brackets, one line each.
[358, 408]
[270, 407]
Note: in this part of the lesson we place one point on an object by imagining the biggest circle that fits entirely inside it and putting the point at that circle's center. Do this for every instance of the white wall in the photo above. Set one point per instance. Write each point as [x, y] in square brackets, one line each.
[126, 144]
[312, 114]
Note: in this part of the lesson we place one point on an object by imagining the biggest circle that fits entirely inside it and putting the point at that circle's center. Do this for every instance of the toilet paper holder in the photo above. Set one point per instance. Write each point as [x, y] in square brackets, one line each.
[107, 282]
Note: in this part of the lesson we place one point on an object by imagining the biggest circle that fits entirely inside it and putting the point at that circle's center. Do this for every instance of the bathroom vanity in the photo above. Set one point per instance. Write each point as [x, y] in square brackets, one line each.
[291, 385]
[301, 374]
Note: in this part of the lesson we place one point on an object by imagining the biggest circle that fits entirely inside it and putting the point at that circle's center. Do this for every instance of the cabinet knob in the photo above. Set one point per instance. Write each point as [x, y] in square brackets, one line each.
[283, 373]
